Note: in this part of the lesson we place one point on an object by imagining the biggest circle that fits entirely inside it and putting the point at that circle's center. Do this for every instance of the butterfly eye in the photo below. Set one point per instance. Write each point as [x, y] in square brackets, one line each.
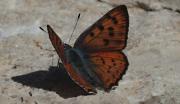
[66, 46]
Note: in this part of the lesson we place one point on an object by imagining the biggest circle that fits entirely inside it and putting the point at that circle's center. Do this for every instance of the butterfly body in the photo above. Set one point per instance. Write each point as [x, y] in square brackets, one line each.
[82, 65]
[97, 60]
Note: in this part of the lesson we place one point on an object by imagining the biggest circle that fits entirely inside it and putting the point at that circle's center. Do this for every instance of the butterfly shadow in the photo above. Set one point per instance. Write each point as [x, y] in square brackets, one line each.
[55, 79]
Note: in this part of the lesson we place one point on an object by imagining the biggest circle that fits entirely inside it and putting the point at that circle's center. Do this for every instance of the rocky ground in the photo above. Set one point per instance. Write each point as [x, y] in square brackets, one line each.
[28, 72]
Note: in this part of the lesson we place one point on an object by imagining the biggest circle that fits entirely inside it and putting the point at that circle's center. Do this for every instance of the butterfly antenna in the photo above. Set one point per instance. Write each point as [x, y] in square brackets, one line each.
[42, 29]
[74, 27]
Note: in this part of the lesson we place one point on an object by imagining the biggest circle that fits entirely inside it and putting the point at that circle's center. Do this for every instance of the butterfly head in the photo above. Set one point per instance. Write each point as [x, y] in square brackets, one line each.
[67, 47]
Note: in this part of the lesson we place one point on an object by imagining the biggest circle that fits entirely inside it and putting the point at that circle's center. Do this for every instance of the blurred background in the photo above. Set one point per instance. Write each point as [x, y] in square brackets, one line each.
[28, 72]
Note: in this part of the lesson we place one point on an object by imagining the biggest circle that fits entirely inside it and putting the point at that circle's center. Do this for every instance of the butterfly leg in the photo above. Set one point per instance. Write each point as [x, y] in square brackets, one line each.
[59, 64]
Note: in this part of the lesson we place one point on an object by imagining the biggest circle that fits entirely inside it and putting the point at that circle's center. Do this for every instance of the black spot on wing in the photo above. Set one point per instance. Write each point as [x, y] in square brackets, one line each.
[113, 62]
[91, 34]
[102, 60]
[100, 27]
[111, 32]
[113, 19]
[106, 42]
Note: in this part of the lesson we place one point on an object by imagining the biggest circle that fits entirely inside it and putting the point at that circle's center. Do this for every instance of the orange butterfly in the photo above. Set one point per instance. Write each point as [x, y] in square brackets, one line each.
[97, 60]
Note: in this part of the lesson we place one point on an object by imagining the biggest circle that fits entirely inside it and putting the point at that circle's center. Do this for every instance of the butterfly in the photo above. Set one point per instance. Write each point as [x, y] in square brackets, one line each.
[96, 60]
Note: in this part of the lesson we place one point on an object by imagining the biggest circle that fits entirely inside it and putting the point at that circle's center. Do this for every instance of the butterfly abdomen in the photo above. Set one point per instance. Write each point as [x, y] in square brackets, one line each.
[82, 66]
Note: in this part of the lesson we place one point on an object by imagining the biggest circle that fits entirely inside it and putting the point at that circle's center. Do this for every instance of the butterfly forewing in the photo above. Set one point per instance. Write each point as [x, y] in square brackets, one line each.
[108, 33]
[56, 42]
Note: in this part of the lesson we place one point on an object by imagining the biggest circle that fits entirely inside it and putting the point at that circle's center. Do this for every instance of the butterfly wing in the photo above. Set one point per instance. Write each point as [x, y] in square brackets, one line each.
[79, 80]
[59, 47]
[103, 42]
[108, 33]
[56, 42]
[109, 67]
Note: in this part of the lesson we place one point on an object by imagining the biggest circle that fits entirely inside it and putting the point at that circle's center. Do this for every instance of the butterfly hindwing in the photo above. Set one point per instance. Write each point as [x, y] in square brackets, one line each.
[78, 79]
[108, 33]
[110, 66]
